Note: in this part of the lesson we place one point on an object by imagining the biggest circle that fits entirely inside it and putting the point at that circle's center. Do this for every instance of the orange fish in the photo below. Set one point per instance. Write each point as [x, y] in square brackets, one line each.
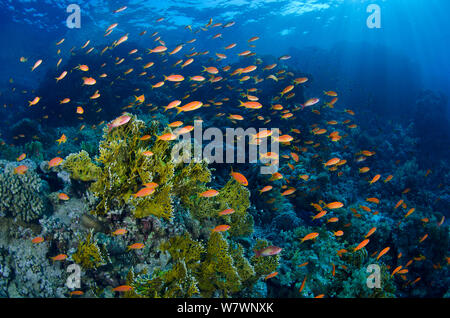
[319, 215]
[398, 204]
[361, 245]
[226, 212]
[59, 257]
[265, 189]
[55, 162]
[303, 284]
[144, 192]
[384, 251]
[335, 205]
[371, 231]
[37, 240]
[309, 236]
[271, 275]
[375, 179]
[389, 178]
[136, 246]
[221, 228]
[123, 288]
[209, 193]
[76, 293]
[409, 212]
[288, 191]
[63, 196]
[119, 232]
[119, 121]
[20, 169]
[240, 178]
[423, 238]
[331, 162]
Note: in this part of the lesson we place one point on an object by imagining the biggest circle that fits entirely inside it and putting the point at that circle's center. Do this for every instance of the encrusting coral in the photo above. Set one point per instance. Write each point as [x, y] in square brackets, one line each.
[21, 195]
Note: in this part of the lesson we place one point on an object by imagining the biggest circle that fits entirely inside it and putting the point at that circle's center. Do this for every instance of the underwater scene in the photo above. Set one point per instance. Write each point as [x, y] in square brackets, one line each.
[224, 149]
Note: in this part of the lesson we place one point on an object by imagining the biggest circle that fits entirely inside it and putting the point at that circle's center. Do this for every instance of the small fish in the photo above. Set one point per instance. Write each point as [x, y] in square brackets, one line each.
[119, 121]
[34, 101]
[22, 169]
[76, 293]
[209, 193]
[361, 245]
[371, 231]
[167, 137]
[268, 251]
[62, 139]
[384, 251]
[123, 288]
[239, 177]
[226, 212]
[63, 196]
[59, 257]
[37, 240]
[119, 232]
[303, 284]
[55, 162]
[335, 205]
[144, 192]
[221, 228]
[271, 275]
[310, 236]
[38, 62]
[136, 246]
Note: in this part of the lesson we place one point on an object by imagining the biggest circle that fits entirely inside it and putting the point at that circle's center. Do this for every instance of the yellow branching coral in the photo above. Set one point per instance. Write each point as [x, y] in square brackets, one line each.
[231, 196]
[129, 162]
[81, 167]
[236, 197]
[218, 273]
[180, 280]
[88, 254]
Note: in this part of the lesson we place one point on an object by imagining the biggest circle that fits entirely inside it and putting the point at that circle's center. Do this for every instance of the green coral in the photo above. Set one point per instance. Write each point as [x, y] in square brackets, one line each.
[232, 196]
[126, 168]
[178, 281]
[81, 166]
[219, 269]
[218, 273]
[88, 253]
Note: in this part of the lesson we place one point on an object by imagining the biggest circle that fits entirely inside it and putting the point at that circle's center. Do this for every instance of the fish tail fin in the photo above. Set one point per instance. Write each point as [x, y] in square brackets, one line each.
[179, 110]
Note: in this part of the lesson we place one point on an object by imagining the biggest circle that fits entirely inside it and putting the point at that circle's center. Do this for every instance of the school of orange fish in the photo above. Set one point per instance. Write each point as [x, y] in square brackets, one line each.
[250, 109]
